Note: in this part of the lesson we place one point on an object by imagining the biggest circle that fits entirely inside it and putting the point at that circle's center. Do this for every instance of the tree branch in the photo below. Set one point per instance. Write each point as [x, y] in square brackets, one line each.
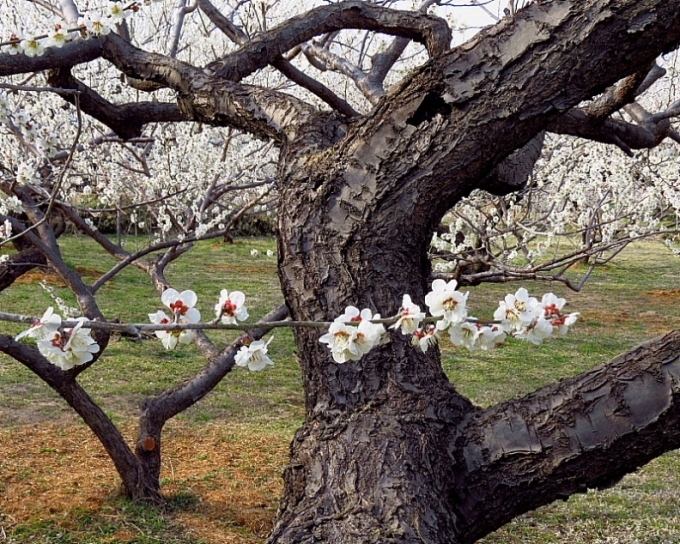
[264, 113]
[368, 87]
[71, 54]
[578, 122]
[65, 384]
[315, 87]
[281, 64]
[581, 433]
[19, 264]
[432, 31]
[126, 120]
[383, 62]
[619, 95]
[158, 410]
[513, 172]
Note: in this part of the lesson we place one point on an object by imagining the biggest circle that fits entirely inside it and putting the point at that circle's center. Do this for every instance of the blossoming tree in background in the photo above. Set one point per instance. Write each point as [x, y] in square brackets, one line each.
[194, 117]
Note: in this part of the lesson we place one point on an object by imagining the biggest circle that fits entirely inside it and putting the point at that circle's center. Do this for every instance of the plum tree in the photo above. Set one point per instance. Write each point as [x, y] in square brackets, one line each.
[390, 451]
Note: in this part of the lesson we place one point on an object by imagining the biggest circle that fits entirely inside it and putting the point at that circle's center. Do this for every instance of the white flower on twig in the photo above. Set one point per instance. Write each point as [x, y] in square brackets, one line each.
[46, 326]
[254, 356]
[231, 307]
[410, 316]
[71, 348]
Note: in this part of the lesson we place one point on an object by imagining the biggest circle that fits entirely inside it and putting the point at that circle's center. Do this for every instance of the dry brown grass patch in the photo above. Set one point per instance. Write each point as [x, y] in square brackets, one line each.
[666, 295]
[49, 471]
[51, 278]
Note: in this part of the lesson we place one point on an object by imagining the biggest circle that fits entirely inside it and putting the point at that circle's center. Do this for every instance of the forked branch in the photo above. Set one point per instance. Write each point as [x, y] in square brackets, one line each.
[431, 31]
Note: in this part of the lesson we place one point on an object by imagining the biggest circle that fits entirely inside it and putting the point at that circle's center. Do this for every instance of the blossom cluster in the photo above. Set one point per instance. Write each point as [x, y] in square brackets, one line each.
[92, 24]
[230, 309]
[75, 346]
[352, 334]
[42, 139]
[582, 192]
[5, 230]
[65, 348]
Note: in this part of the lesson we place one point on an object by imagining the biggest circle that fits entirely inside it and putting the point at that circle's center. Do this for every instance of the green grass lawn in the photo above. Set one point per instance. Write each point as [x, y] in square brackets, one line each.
[630, 300]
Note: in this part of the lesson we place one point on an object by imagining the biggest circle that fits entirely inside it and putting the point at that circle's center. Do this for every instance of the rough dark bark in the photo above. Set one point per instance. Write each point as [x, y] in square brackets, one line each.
[395, 473]
[581, 433]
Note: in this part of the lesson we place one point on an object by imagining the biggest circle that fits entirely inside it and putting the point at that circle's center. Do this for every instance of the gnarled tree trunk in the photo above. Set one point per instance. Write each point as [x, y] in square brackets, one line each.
[390, 452]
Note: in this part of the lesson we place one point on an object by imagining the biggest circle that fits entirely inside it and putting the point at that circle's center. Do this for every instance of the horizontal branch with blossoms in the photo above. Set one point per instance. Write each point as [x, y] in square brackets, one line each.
[91, 25]
[350, 336]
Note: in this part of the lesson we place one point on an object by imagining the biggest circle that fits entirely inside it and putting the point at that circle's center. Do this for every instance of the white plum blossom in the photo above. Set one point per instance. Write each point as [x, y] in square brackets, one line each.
[464, 334]
[563, 322]
[16, 46]
[410, 316]
[537, 331]
[517, 311]
[552, 305]
[117, 12]
[58, 37]
[445, 302]
[352, 314]
[46, 326]
[5, 108]
[369, 334]
[71, 348]
[26, 174]
[340, 340]
[254, 356]
[182, 305]
[425, 338]
[348, 342]
[22, 118]
[30, 133]
[552, 311]
[5, 230]
[490, 336]
[32, 47]
[183, 311]
[169, 339]
[231, 307]
[10, 204]
[95, 24]
[47, 141]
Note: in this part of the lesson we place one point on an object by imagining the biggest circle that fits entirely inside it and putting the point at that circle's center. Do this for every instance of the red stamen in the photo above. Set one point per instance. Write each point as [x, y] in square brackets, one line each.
[229, 308]
[178, 307]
